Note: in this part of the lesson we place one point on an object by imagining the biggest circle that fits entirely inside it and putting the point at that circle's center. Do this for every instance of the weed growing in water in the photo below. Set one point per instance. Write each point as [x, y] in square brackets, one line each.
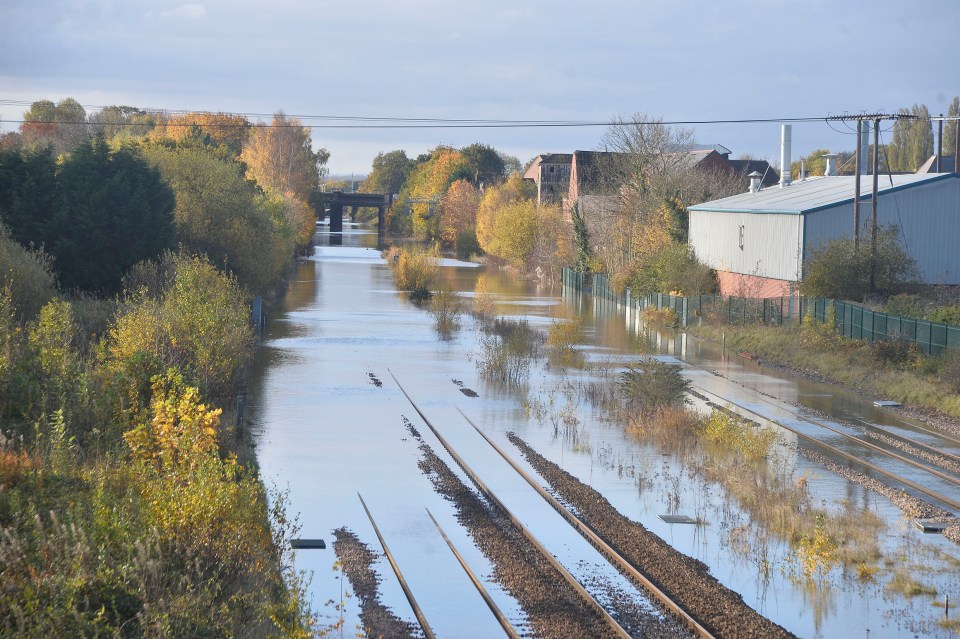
[446, 308]
[508, 349]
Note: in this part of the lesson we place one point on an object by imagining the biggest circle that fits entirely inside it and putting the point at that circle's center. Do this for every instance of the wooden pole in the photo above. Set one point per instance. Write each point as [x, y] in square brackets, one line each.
[876, 181]
[856, 190]
[939, 142]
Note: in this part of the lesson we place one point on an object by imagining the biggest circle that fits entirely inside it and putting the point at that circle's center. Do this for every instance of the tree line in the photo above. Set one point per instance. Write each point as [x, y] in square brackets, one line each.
[131, 244]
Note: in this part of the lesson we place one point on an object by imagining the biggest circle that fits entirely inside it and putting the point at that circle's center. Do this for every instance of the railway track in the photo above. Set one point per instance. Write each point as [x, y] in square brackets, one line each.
[949, 501]
[610, 554]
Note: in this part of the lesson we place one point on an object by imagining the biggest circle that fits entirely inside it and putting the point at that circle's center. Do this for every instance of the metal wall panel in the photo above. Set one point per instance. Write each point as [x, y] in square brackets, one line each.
[771, 243]
[927, 214]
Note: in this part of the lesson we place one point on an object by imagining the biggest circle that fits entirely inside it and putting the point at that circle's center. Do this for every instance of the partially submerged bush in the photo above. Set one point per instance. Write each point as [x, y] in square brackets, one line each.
[653, 384]
[508, 349]
[446, 308]
[414, 269]
[562, 338]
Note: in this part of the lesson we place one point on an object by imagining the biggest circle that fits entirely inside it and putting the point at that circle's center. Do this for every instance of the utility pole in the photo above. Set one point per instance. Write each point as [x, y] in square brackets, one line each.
[939, 141]
[856, 190]
[861, 119]
[876, 182]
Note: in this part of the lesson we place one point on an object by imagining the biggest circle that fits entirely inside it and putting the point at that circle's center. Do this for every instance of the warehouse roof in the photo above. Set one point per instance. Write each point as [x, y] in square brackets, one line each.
[815, 193]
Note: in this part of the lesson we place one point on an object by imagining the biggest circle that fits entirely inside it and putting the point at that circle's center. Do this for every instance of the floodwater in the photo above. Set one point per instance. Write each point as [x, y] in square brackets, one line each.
[325, 431]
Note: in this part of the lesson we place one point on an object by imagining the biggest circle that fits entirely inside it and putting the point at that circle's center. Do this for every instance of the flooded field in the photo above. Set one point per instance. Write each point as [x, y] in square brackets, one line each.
[330, 421]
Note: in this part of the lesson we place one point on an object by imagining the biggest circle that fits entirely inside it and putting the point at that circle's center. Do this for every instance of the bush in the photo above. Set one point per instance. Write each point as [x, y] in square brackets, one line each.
[904, 305]
[898, 352]
[653, 384]
[562, 338]
[945, 315]
[414, 269]
[508, 349]
[445, 307]
[837, 271]
[28, 274]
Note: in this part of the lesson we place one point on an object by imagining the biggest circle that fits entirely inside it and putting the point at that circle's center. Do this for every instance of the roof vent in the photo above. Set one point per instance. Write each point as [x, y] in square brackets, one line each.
[831, 159]
[755, 178]
[803, 170]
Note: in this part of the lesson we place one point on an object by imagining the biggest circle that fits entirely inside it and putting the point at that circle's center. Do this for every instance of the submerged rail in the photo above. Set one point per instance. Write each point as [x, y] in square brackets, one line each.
[944, 499]
[421, 619]
[501, 618]
[613, 556]
[570, 579]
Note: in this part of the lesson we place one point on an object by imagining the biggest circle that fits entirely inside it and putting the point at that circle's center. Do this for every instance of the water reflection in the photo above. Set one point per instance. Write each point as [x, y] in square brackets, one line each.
[324, 430]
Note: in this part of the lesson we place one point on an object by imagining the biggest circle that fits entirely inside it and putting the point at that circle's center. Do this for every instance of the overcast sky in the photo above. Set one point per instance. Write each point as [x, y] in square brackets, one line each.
[491, 59]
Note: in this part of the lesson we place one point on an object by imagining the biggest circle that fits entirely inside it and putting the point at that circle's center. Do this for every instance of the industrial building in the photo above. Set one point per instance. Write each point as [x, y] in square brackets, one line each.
[757, 241]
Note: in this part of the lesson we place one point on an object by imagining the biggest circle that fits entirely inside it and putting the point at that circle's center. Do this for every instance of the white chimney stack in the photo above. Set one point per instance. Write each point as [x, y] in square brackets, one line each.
[831, 159]
[785, 155]
[755, 179]
[803, 170]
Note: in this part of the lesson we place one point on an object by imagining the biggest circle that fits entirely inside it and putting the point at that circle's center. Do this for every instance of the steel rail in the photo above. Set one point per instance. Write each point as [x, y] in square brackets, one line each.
[613, 556]
[902, 438]
[501, 618]
[953, 503]
[570, 579]
[421, 619]
[953, 479]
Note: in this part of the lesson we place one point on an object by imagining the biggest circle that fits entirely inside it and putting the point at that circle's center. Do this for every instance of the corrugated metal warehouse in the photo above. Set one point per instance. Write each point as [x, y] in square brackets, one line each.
[757, 241]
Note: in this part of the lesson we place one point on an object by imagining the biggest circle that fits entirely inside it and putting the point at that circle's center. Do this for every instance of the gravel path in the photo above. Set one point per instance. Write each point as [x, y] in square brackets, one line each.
[686, 580]
[357, 561]
[554, 610]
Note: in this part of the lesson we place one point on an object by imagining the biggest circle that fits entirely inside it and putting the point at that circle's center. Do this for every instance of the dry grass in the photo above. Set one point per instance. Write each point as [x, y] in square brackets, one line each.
[847, 362]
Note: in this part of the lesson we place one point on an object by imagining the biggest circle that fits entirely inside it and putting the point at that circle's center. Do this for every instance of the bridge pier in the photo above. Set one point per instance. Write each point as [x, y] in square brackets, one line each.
[381, 214]
[336, 218]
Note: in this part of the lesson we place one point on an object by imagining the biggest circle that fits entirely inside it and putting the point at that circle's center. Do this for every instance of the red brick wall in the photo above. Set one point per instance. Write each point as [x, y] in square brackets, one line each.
[741, 285]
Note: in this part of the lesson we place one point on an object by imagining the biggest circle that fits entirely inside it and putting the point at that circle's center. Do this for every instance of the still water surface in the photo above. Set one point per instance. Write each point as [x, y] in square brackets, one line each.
[325, 431]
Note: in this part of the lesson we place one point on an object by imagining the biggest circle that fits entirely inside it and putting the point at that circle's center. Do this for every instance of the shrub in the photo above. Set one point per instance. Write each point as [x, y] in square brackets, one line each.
[945, 315]
[27, 274]
[653, 384]
[898, 352]
[904, 305]
[414, 269]
[445, 307]
[837, 271]
[732, 435]
[662, 316]
[562, 338]
[508, 349]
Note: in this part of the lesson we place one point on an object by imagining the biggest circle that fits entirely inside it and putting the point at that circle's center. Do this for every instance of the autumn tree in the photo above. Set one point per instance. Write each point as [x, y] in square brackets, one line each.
[485, 165]
[127, 121]
[458, 217]
[388, 173]
[495, 199]
[64, 124]
[212, 129]
[950, 128]
[280, 157]
[425, 187]
[911, 143]
[223, 216]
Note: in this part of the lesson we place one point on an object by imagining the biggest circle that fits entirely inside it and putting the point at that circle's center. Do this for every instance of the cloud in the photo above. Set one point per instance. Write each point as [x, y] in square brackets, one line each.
[185, 12]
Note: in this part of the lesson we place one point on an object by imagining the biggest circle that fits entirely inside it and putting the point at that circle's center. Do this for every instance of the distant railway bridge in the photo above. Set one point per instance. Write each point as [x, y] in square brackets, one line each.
[332, 203]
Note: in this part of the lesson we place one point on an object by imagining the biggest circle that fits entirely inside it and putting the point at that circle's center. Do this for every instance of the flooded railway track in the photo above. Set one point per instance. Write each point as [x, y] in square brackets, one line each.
[718, 611]
[919, 463]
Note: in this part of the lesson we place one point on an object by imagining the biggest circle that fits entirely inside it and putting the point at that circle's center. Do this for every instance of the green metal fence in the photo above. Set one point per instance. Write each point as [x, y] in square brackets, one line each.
[851, 320]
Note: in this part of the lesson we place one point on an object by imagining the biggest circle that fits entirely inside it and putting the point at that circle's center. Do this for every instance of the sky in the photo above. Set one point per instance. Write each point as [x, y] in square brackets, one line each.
[678, 60]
